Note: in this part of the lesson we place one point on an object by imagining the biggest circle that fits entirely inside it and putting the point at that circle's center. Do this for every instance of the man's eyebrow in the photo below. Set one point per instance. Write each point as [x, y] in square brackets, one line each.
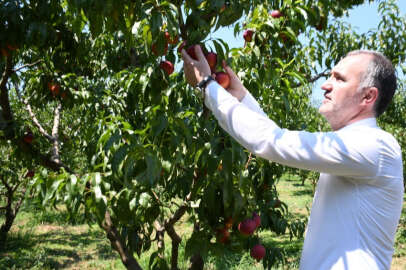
[336, 73]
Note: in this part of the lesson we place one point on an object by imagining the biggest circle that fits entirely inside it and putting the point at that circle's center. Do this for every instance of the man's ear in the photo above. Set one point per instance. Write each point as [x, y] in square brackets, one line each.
[370, 95]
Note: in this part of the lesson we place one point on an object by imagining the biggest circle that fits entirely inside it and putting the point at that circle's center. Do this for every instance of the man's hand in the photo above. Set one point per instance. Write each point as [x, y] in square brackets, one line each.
[195, 70]
[236, 88]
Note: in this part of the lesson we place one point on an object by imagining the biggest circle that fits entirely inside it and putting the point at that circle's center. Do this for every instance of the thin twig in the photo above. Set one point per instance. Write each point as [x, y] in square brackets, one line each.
[248, 161]
[315, 78]
[6, 184]
[27, 65]
[156, 197]
[181, 23]
[13, 189]
[318, 76]
[20, 201]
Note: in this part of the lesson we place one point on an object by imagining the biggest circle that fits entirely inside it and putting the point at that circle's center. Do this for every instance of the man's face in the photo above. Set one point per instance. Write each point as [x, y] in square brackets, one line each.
[342, 96]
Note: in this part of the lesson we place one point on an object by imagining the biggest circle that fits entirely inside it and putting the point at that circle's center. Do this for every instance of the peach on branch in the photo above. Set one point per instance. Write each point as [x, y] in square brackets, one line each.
[211, 58]
[223, 235]
[167, 66]
[228, 223]
[171, 40]
[28, 137]
[30, 174]
[257, 219]
[247, 227]
[223, 79]
[258, 252]
[54, 88]
[248, 35]
[157, 52]
[276, 14]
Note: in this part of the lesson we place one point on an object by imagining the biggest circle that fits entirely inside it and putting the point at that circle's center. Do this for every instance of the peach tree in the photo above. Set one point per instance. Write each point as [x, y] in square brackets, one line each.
[94, 102]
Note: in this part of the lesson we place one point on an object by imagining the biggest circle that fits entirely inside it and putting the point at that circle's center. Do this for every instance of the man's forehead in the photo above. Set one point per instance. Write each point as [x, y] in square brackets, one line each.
[353, 64]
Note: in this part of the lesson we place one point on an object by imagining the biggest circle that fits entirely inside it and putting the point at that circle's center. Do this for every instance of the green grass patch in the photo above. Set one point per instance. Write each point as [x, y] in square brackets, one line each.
[46, 239]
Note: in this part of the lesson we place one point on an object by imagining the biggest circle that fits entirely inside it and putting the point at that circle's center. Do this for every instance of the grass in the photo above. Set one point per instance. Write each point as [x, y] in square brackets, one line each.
[46, 240]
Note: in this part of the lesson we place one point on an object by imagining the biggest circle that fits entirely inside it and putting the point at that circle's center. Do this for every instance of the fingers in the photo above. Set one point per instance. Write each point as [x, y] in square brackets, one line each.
[199, 53]
[224, 64]
[228, 69]
[185, 56]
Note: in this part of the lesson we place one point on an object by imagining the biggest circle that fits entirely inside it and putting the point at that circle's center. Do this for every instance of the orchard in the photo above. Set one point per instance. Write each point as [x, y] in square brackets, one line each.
[96, 115]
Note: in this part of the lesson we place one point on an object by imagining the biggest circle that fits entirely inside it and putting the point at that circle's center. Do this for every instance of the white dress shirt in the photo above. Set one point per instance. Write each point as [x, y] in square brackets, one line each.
[358, 200]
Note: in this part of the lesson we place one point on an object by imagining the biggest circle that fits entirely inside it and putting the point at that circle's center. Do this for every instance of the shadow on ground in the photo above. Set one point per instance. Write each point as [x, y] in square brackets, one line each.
[53, 249]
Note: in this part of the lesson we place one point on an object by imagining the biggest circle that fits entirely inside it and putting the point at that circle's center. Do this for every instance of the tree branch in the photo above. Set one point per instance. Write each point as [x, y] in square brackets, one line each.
[13, 189]
[45, 160]
[318, 76]
[174, 236]
[160, 232]
[175, 246]
[27, 65]
[19, 202]
[4, 98]
[54, 161]
[248, 161]
[178, 215]
[55, 148]
[196, 260]
[314, 78]
[118, 244]
[33, 117]
[156, 197]
[181, 23]
[6, 184]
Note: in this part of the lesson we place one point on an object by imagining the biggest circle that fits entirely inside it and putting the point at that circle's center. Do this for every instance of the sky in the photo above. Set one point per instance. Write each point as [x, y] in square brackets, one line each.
[363, 18]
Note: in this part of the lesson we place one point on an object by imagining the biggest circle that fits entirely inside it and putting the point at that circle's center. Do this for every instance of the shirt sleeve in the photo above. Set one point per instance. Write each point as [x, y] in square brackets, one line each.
[252, 103]
[339, 153]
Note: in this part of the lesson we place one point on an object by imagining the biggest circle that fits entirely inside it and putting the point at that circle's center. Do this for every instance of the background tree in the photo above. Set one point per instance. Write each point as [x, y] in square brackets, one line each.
[114, 133]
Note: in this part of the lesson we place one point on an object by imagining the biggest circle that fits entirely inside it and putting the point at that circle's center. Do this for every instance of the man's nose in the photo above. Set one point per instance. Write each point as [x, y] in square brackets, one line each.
[327, 86]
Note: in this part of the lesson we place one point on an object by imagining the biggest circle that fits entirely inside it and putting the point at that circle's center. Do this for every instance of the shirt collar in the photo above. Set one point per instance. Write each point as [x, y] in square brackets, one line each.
[367, 122]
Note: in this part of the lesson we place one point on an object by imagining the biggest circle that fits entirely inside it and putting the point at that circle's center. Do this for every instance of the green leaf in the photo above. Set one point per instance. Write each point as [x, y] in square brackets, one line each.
[153, 168]
[239, 203]
[145, 200]
[219, 50]
[118, 159]
[129, 165]
[100, 199]
[133, 204]
[50, 193]
[111, 141]
[159, 124]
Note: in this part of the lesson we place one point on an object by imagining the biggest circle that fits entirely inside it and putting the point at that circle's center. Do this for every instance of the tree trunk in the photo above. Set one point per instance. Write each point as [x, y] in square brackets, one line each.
[10, 212]
[118, 244]
[197, 262]
[5, 228]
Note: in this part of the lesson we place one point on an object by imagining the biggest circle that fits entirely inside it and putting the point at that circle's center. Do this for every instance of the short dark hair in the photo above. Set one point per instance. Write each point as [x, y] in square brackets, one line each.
[380, 74]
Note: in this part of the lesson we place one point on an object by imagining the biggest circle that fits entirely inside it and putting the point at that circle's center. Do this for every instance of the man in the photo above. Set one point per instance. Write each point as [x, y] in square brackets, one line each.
[358, 200]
